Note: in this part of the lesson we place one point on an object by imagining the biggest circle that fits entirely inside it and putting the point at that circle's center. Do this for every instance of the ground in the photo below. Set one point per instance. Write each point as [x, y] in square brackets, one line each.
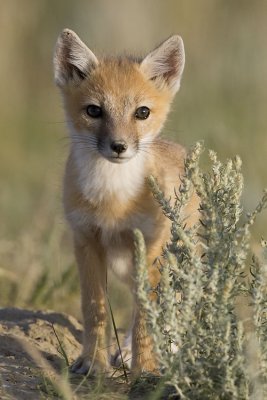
[20, 377]
[25, 374]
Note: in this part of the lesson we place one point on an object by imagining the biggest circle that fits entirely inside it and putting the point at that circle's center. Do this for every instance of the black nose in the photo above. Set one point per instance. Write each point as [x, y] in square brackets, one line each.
[119, 146]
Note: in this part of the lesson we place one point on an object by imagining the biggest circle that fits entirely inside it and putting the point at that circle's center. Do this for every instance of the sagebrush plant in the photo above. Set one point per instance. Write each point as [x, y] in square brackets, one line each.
[199, 340]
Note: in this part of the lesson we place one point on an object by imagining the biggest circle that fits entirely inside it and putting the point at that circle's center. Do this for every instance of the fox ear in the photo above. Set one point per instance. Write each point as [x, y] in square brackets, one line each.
[165, 64]
[72, 59]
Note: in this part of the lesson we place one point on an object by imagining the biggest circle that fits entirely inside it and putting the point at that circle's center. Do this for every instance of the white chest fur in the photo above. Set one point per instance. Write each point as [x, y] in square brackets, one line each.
[111, 184]
[100, 179]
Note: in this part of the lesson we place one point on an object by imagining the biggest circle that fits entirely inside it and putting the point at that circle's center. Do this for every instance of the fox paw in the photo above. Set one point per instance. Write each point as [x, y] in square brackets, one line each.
[84, 366]
[117, 359]
[125, 357]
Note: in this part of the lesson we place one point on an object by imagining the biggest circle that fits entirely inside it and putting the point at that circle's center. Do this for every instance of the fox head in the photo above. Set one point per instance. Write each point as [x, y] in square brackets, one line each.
[116, 107]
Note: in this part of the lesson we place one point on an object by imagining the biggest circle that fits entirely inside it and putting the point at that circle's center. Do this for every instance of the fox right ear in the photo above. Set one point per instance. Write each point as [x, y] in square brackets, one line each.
[72, 59]
[165, 64]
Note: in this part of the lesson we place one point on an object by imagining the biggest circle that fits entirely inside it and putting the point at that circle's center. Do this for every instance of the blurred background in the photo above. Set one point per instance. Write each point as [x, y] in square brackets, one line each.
[223, 100]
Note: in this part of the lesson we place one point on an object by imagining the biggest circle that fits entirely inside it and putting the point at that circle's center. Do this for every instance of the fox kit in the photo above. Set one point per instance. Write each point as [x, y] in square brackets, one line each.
[115, 109]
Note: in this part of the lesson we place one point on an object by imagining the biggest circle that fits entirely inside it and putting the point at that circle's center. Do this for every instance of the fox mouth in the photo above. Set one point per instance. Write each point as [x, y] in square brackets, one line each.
[117, 151]
[115, 158]
[118, 159]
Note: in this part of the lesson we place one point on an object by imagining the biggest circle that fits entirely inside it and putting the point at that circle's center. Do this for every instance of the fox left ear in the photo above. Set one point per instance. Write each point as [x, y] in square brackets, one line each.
[72, 59]
[165, 64]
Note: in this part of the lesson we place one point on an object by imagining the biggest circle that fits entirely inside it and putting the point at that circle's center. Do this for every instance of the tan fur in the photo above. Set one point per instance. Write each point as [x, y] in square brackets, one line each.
[106, 198]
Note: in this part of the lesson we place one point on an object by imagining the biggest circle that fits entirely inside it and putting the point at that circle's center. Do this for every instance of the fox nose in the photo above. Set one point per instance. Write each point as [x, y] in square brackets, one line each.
[119, 146]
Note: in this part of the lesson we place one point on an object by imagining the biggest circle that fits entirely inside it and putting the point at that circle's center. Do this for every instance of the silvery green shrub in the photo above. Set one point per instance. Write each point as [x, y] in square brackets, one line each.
[202, 348]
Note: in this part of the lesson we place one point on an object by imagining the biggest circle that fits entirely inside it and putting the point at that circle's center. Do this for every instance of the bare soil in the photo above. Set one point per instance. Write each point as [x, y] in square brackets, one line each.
[20, 378]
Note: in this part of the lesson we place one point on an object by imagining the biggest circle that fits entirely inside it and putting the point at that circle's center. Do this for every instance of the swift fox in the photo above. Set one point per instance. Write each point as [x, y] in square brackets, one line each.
[115, 109]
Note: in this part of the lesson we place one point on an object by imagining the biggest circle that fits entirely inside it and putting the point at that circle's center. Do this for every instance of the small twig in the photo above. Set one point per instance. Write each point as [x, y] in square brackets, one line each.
[118, 342]
[62, 351]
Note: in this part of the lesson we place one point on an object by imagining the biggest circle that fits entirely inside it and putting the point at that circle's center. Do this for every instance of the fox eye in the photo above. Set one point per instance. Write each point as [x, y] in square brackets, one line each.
[142, 112]
[94, 111]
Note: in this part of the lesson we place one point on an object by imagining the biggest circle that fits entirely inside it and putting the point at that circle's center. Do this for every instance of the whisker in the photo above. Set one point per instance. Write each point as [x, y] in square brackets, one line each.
[64, 138]
[54, 122]
[88, 149]
[154, 144]
[66, 122]
[85, 139]
[144, 151]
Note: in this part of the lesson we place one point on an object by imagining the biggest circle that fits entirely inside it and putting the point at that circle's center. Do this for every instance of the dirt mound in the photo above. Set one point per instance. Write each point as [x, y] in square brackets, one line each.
[20, 378]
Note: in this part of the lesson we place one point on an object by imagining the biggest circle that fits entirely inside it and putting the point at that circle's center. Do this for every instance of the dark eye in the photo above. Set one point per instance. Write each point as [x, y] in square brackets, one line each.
[142, 112]
[94, 111]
